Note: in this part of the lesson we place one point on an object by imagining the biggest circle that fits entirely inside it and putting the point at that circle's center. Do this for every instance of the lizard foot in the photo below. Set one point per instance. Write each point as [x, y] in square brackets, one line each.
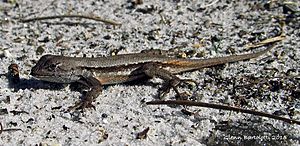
[83, 104]
[174, 83]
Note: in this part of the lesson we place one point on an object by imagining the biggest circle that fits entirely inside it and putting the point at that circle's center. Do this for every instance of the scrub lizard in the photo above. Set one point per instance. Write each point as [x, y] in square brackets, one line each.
[93, 73]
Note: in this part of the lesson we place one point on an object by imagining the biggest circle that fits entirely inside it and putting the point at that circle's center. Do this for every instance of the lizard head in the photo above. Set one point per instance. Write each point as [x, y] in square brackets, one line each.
[54, 69]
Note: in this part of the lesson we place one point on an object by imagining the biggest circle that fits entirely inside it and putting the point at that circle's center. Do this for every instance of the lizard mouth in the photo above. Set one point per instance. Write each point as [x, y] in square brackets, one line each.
[52, 77]
[43, 75]
[38, 73]
[55, 79]
[32, 73]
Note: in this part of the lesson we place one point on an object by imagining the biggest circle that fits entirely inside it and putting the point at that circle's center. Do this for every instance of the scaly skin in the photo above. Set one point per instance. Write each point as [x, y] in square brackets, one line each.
[95, 72]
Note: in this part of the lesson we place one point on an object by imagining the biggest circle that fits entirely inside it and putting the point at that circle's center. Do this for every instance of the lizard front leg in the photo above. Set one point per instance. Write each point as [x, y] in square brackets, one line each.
[94, 90]
[170, 80]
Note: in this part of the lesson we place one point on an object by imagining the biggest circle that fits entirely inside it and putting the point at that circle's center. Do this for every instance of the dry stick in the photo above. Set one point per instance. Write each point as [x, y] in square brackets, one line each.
[10, 129]
[223, 107]
[267, 41]
[1, 128]
[96, 18]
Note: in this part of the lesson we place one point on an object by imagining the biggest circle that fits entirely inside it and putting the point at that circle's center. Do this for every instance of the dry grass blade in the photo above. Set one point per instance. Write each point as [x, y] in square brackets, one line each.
[222, 107]
[96, 18]
[10, 129]
[267, 41]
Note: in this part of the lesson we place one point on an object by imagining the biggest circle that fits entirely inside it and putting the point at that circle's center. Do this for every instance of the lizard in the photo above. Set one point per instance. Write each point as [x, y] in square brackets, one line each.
[93, 73]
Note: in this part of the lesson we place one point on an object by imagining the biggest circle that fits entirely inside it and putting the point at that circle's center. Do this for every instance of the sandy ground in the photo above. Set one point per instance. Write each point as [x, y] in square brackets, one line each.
[36, 109]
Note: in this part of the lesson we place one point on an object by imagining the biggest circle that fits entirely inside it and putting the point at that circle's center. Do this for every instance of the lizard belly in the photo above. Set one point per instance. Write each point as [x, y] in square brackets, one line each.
[108, 80]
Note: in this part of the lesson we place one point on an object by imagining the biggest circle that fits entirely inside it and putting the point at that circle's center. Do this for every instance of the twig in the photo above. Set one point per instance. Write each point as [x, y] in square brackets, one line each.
[143, 134]
[208, 5]
[266, 41]
[10, 129]
[96, 18]
[1, 128]
[13, 73]
[223, 107]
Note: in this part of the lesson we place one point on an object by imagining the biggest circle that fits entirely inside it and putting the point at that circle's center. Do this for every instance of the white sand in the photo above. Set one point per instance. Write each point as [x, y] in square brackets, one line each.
[120, 113]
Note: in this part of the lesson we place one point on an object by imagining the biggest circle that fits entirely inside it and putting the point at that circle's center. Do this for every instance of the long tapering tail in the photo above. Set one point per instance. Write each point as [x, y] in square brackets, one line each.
[183, 65]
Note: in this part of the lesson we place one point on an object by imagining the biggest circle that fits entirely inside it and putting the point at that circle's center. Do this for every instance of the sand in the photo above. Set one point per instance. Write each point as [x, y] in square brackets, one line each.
[35, 111]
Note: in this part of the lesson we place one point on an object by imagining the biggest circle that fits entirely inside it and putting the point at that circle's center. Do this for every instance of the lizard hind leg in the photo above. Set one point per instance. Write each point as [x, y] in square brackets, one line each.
[170, 80]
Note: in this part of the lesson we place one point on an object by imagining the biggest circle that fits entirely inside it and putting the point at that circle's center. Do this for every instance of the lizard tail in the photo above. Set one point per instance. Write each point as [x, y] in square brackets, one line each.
[196, 64]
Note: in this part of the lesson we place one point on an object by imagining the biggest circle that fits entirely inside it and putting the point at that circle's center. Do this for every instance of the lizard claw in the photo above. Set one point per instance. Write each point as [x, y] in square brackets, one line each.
[183, 96]
[82, 105]
[174, 83]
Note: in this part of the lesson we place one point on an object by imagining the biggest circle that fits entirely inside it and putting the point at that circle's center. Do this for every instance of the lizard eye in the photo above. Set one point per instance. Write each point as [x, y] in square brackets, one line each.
[52, 67]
